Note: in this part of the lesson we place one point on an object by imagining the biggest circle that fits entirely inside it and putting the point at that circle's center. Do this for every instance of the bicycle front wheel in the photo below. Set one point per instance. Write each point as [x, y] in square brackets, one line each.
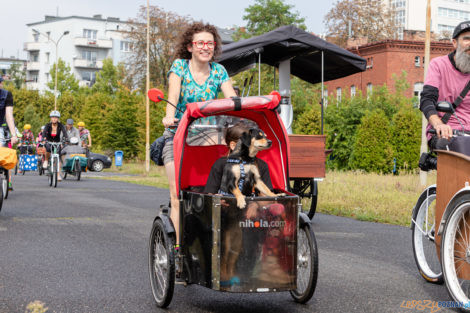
[161, 264]
[5, 181]
[55, 173]
[307, 264]
[423, 230]
[455, 251]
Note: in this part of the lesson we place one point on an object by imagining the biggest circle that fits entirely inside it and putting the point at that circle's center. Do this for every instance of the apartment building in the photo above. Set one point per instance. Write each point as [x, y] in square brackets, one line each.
[82, 42]
[445, 14]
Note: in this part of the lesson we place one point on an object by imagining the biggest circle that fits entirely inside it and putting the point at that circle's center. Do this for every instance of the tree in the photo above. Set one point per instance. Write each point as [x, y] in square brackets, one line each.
[66, 81]
[406, 137]
[267, 15]
[372, 150]
[121, 131]
[367, 18]
[31, 117]
[17, 74]
[108, 77]
[165, 28]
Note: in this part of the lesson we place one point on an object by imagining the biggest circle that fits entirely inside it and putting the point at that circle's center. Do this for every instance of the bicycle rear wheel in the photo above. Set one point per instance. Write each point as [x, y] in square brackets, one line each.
[5, 181]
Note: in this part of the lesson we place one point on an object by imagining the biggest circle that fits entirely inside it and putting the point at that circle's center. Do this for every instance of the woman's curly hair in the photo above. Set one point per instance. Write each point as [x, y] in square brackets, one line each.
[186, 39]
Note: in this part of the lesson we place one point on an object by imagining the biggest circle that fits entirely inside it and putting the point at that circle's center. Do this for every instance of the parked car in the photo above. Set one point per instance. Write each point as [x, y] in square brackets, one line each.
[97, 162]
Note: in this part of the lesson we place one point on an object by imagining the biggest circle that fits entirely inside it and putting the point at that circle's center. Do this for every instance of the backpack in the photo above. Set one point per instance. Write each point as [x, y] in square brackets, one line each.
[3, 97]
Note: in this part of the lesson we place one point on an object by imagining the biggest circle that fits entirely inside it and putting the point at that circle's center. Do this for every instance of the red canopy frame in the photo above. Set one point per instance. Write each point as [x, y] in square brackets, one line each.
[193, 169]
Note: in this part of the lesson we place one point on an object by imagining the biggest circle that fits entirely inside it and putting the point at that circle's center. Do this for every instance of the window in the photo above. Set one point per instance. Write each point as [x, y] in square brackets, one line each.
[452, 13]
[89, 55]
[48, 54]
[34, 77]
[417, 61]
[369, 90]
[90, 34]
[126, 46]
[353, 91]
[34, 57]
[36, 37]
[338, 94]
[370, 63]
[88, 76]
[418, 87]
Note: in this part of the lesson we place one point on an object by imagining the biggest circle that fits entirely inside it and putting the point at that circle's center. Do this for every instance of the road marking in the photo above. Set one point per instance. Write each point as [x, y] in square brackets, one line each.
[3, 229]
[340, 235]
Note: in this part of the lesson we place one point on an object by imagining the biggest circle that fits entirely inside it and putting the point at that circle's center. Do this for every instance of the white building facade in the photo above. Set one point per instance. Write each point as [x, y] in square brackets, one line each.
[88, 42]
[445, 14]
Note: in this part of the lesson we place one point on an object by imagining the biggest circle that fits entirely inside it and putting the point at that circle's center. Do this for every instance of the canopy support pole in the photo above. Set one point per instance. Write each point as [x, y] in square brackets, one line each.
[287, 113]
[259, 74]
[322, 88]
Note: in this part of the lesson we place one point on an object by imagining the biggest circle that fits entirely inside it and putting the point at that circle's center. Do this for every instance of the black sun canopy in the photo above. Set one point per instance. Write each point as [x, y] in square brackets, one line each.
[302, 48]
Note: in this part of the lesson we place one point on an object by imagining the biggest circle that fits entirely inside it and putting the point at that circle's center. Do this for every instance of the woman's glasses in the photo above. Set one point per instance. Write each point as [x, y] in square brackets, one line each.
[200, 44]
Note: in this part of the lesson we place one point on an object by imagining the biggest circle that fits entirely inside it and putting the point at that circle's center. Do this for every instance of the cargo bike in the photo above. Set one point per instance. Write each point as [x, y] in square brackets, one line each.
[441, 222]
[269, 246]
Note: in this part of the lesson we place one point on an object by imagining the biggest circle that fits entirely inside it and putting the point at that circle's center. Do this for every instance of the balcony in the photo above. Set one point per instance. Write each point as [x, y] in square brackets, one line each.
[95, 43]
[32, 85]
[32, 46]
[81, 63]
[33, 66]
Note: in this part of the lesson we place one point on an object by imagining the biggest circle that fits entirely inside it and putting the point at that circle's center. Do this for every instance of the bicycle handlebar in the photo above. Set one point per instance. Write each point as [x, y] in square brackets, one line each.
[455, 132]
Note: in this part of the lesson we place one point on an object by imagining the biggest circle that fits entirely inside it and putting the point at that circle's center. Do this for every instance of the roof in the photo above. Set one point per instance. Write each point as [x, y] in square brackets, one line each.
[52, 19]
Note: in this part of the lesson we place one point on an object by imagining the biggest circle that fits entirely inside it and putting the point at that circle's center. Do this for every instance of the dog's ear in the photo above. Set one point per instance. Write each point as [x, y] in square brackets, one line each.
[246, 138]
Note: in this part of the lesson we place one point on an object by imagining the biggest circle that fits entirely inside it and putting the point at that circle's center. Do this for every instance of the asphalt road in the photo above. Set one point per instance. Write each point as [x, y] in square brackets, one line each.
[82, 247]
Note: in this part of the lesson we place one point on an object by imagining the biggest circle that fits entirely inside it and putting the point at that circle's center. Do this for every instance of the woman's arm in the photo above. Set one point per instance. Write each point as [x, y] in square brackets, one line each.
[174, 89]
[89, 139]
[228, 90]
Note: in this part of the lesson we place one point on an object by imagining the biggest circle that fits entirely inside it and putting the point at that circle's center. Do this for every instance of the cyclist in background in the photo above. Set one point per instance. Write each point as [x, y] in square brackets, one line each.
[54, 132]
[85, 136]
[27, 140]
[6, 116]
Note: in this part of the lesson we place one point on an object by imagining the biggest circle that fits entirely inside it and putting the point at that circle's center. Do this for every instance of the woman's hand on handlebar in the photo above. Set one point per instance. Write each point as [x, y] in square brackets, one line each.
[170, 122]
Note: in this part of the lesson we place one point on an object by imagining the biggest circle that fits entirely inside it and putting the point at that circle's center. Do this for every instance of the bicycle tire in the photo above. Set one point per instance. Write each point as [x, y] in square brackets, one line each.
[1, 196]
[161, 264]
[452, 263]
[5, 182]
[422, 236]
[307, 265]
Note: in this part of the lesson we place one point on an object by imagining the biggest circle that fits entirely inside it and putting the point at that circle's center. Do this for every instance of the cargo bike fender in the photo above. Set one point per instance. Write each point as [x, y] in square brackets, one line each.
[167, 223]
[452, 204]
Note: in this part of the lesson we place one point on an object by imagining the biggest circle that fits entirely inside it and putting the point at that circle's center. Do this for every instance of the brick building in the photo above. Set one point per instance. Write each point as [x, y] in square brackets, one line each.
[384, 59]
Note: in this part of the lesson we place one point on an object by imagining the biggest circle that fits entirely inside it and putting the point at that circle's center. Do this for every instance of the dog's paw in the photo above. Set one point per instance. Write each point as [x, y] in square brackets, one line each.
[241, 203]
[281, 194]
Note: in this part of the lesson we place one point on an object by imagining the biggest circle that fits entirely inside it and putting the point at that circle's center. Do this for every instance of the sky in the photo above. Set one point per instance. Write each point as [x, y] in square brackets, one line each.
[223, 13]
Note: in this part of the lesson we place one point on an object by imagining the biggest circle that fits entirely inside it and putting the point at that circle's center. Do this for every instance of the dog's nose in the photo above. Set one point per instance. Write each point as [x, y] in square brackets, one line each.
[269, 143]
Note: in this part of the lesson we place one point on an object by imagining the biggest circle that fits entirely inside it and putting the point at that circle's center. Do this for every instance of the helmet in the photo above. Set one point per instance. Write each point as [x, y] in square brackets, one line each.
[82, 124]
[74, 140]
[26, 126]
[54, 114]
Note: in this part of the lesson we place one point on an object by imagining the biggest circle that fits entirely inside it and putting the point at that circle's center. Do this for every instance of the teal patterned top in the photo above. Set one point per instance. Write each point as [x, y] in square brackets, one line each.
[191, 91]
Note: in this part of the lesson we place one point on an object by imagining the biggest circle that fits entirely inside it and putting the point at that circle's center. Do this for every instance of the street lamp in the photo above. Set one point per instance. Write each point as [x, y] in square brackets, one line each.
[56, 59]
